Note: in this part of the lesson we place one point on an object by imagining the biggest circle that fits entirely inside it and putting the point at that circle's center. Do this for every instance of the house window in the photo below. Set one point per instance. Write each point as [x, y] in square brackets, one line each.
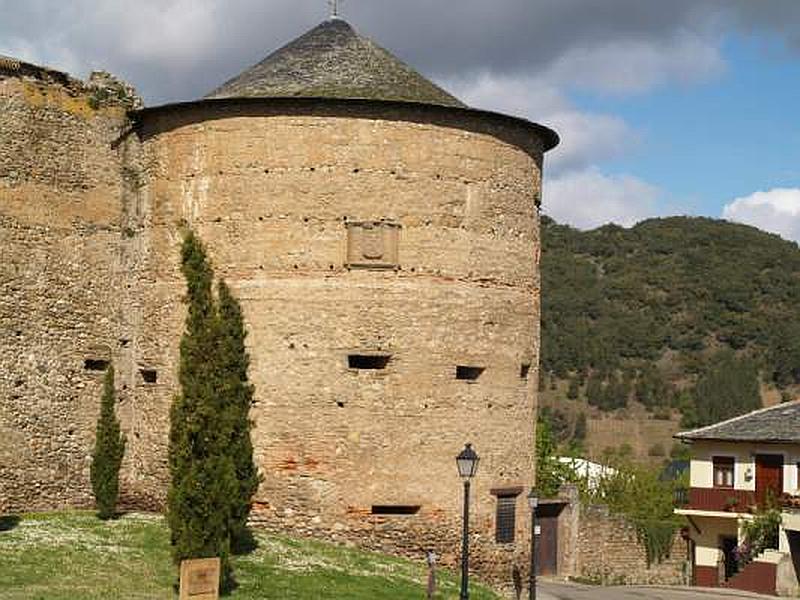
[505, 520]
[723, 472]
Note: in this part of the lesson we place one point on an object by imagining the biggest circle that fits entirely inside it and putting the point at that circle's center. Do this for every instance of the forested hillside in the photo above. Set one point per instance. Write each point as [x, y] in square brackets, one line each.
[688, 316]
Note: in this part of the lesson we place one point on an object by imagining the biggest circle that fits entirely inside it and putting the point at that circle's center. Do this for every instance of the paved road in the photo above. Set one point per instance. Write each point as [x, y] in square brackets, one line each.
[570, 591]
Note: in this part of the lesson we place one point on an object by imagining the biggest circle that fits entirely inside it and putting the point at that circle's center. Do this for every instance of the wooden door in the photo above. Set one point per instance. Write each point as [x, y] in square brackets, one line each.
[769, 477]
[547, 540]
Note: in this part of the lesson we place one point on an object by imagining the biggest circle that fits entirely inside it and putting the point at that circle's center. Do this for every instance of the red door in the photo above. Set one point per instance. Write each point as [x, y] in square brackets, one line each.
[769, 477]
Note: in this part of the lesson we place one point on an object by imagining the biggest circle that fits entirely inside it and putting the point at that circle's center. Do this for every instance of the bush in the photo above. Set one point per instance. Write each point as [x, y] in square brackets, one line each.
[760, 534]
[109, 447]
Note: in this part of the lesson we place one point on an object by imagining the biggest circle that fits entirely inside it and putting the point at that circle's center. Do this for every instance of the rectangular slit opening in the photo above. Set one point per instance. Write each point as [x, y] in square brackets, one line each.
[149, 375]
[523, 371]
[95, 364]
[368, 361]
[394, 510]
[469, 373]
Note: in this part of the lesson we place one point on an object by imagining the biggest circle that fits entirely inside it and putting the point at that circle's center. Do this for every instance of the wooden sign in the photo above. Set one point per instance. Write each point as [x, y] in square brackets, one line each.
[200, 579]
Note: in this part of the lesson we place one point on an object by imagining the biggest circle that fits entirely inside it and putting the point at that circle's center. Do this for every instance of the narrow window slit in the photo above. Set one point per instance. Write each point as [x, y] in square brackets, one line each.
[469, 373]
[368, 361]
[523, 371]
[95, 364]
[394, 510]
[149, 375]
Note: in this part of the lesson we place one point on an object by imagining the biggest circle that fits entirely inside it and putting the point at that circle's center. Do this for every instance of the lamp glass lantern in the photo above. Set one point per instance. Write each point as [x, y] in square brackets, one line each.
[467, 462]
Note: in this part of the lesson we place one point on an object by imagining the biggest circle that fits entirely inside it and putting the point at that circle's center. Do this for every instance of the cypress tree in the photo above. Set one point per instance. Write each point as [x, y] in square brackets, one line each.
[238, 394]
[203, 477]
[109, 448]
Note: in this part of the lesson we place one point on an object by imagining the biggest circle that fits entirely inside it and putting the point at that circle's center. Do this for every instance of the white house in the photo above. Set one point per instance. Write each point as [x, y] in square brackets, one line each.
[737, 467]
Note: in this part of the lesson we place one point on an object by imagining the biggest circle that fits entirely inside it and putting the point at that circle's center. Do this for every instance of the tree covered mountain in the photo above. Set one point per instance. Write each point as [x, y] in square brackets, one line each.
[689, 314]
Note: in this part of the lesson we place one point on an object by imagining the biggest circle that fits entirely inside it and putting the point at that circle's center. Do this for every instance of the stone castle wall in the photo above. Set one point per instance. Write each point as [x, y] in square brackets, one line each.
[272, 196]
[60, 279]
[91, 223]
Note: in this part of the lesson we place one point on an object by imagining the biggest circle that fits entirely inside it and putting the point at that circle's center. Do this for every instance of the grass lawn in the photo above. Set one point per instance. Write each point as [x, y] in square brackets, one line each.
[75, 556]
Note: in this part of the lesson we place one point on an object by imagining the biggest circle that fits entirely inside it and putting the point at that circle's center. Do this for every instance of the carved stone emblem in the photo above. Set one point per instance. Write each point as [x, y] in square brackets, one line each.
[372, 242]
[372, 245]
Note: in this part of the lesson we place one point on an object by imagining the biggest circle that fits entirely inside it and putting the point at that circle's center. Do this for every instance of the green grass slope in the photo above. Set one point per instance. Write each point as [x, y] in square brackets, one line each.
[74, 556]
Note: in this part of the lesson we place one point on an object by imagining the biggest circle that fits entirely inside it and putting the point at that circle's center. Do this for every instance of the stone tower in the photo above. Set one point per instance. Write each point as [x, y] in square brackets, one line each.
[383, 239]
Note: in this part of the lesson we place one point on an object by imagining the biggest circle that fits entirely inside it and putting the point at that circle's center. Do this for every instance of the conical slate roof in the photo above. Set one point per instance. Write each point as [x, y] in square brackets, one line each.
[334, 61]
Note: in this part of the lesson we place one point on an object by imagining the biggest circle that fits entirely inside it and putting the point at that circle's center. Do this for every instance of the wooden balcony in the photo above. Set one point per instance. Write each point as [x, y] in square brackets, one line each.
[721, 499]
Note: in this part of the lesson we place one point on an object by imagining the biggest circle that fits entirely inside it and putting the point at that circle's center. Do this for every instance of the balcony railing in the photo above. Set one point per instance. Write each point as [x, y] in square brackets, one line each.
[721, 499]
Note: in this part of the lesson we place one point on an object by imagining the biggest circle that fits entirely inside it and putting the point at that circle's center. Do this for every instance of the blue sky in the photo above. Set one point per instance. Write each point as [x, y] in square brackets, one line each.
[678, 107]
[709, 142]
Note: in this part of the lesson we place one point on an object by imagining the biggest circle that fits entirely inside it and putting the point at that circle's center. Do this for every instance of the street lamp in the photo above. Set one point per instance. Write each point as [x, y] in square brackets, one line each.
[533, 502]
[467, 463]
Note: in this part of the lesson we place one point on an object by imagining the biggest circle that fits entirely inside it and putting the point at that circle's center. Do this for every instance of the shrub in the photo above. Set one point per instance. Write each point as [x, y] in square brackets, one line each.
[762, 532]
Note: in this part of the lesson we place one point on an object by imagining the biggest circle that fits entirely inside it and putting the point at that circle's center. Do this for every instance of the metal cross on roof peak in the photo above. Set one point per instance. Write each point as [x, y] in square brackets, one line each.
[334, 4]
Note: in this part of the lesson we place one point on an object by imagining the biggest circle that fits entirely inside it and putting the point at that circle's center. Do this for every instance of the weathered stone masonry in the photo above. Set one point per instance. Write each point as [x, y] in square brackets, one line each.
[60, 273]
[440, 203]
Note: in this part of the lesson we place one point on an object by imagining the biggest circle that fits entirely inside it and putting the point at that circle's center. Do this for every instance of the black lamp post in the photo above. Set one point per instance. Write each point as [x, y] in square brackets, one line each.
[467, 463]
[533, 502]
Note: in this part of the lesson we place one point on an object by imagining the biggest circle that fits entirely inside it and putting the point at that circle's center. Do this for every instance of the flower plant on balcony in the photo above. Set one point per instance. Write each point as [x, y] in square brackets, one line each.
[761, 533]
[731, 502]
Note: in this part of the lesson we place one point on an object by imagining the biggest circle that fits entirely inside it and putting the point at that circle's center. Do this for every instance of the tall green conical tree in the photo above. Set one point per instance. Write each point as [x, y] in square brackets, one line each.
[109, 447]
[203, 475]
[238, 394]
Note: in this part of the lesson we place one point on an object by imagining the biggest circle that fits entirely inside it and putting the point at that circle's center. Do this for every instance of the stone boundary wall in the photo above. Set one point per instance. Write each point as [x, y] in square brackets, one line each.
[609, 552]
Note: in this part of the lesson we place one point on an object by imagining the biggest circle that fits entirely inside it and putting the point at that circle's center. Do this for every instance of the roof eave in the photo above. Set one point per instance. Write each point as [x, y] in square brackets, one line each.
[549, 137]
[690, 438]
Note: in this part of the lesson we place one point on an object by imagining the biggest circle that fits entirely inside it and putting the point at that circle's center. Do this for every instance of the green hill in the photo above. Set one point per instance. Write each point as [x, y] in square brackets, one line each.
[681, 315]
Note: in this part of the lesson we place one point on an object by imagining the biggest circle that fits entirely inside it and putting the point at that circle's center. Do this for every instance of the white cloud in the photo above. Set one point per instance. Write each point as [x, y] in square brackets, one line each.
[586, 137]
[776, 211]
[587, 199]
[636, 65]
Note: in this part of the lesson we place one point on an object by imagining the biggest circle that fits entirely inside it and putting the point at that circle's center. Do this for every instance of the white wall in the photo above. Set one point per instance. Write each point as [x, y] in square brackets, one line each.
[706, 551]
[744, 470]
